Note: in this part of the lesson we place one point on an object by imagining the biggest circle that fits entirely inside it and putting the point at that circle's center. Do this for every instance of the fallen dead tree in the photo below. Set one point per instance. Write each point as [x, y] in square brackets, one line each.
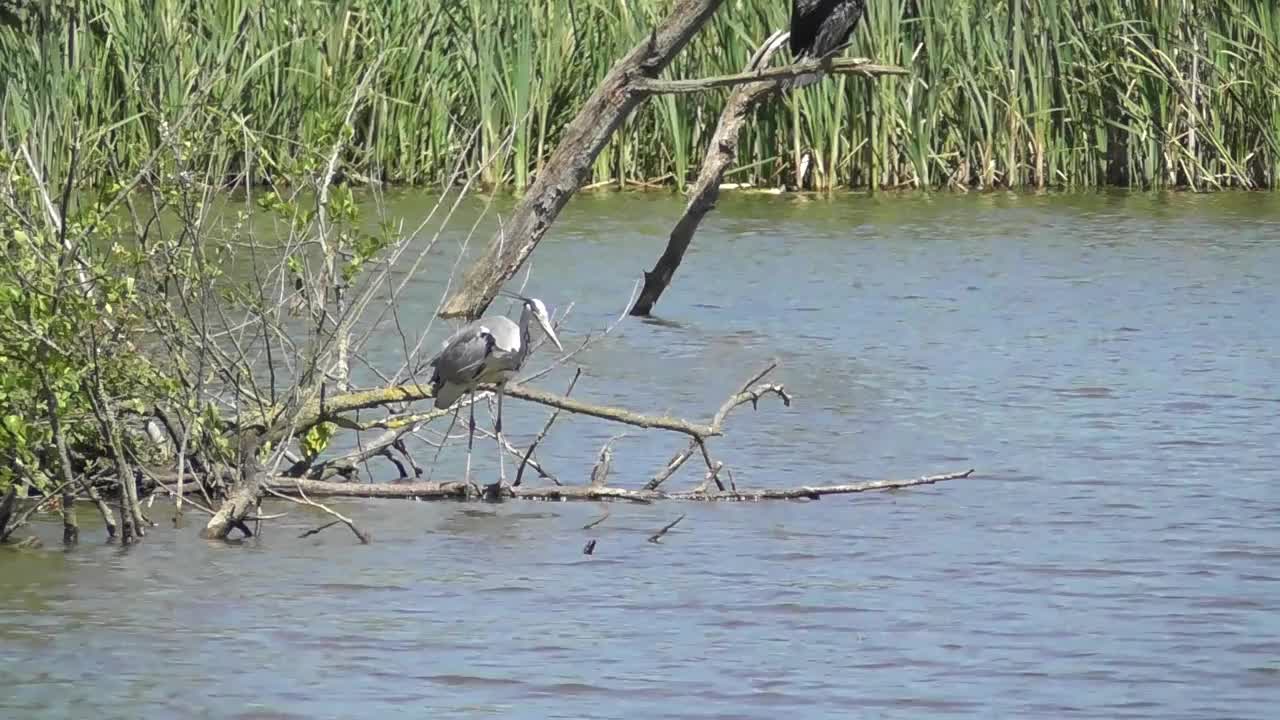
[631, 81]
[459, 491]
[242, 382]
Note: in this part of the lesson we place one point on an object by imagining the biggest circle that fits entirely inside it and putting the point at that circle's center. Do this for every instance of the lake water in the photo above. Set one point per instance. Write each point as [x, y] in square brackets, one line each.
[1108, 363]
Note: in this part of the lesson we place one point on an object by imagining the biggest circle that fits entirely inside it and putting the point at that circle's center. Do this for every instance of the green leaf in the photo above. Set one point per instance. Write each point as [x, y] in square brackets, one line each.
[317, 439]
[16, 427]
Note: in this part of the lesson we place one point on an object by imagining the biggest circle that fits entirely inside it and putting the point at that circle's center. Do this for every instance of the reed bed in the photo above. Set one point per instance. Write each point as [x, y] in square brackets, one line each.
[1003, 93]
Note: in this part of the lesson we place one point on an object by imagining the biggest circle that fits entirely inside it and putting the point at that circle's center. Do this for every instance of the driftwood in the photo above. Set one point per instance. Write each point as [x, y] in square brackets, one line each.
[246, 494]
[458, 490]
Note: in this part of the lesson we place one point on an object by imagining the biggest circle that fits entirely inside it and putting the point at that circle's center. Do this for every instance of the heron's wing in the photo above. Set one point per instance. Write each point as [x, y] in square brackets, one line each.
[463, 355]
[465, 331]
[459, 365]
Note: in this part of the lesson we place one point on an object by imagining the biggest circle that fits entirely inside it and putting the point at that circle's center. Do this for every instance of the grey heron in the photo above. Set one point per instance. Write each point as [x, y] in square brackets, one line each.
[488, 351]
[821, 27]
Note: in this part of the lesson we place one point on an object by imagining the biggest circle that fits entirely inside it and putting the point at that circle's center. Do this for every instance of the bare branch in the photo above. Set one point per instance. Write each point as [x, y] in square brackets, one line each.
[722, 152]
[304, 500]
[598, 520]
[458, 490]
[543, 432]
[778, 77]
[569, 166]
[815, 492]
[656, 537]
[600, 473]
[747, 393]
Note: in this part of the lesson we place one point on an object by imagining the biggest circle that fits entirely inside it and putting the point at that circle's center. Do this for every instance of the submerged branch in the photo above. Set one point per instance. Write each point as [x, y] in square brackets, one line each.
[302, 499]
[815, 492]
[458, 490]
[777, 76]
[722, 153]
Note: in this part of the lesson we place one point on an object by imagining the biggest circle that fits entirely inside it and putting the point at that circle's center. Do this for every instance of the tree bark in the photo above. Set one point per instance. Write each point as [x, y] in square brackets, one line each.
[132, 526]
[7, 504]
[568, 168]
[722, 152]
[70, 528]
[245, 493]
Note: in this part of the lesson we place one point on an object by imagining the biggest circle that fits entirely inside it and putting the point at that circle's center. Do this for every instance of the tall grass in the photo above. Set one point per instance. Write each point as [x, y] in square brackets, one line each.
[1147, 93]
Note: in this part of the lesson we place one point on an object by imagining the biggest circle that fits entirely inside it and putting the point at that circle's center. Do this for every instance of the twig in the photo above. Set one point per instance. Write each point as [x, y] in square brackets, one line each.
[543, 432]
[600, 473]
[605, 412]
[654, 538]
[778, 75]
[598, 520]
[304, 500]
[260, 518]
[21, 518]
[713, 474]
[583, 492]
[745, 394]
[581, 143]
[813, 493]
[519, 454]
[160, 483]
[722, 152]
[314, 531]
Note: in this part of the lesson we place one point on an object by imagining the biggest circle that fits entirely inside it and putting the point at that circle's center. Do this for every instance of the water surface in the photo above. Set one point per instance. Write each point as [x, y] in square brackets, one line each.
[1107, 362]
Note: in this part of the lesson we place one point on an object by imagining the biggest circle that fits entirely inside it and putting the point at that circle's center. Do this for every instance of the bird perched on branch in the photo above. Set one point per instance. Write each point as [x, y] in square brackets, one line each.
[822, 27]
[488, 351]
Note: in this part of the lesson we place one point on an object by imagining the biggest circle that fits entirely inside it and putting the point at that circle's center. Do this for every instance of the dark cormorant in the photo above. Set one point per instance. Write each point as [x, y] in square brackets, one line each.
[820, 27]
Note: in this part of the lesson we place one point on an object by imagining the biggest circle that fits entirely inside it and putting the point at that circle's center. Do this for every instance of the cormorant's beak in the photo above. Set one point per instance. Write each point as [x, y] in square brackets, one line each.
[545, 322]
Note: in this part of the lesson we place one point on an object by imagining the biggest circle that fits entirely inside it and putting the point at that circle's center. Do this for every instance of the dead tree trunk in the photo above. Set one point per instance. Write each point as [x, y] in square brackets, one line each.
[632, 80]
[245, 493]
[568, 167]
[721, 153]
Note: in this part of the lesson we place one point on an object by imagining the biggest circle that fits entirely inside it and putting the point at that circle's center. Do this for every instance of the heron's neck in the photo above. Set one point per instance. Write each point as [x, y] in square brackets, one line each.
[525, 314]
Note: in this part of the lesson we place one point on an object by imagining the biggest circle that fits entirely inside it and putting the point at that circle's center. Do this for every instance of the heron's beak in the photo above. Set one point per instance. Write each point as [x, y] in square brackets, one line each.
[545, 322]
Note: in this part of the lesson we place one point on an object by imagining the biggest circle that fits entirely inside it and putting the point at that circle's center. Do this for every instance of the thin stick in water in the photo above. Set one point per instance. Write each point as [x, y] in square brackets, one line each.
[654, 538]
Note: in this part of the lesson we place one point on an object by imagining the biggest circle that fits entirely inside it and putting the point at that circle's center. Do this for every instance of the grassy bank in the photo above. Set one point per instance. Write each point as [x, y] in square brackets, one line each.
[1149, 93]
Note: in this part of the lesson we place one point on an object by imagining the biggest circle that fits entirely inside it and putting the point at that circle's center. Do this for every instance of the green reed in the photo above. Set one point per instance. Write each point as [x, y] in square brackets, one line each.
[1003, 93]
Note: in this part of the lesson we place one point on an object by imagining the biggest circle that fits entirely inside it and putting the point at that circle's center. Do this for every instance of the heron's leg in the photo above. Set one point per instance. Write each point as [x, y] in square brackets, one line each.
[497, 431]
[471, 437]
